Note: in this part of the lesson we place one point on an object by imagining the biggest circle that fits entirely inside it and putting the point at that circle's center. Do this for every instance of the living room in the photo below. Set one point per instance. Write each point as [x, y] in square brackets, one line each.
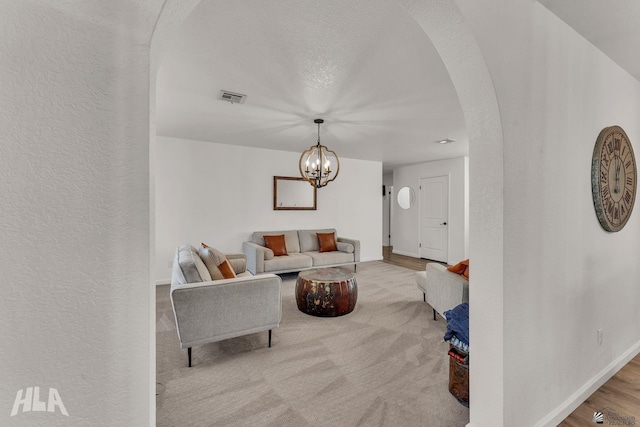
[185, 176]
[535, 93]
[214, 178]
[219, 193]
[191, 168]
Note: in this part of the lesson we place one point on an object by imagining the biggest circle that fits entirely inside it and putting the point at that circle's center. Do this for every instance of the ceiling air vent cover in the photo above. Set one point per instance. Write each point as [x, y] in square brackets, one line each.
[234, 98]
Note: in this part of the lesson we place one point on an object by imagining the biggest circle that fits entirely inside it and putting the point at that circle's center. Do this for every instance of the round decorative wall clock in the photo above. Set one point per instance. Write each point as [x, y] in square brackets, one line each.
[613, 178]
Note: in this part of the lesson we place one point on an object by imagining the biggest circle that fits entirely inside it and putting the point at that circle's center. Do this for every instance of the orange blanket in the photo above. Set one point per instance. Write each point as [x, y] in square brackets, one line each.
[461, 268]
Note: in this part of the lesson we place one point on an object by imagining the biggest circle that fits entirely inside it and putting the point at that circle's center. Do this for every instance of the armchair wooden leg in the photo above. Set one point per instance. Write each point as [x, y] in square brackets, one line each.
[424, 297]
[434, 314]
[269, 338]
[189, 353]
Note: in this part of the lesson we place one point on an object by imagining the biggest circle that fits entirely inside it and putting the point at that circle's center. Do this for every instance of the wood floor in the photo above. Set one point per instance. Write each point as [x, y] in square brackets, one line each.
[417, 264]
[618, 399]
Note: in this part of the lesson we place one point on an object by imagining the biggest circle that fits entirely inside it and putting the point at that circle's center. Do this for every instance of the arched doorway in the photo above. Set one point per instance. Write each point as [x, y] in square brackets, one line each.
[469, 74]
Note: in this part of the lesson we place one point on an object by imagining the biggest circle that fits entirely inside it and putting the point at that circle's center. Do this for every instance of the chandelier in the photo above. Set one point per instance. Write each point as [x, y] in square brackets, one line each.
[316, 162]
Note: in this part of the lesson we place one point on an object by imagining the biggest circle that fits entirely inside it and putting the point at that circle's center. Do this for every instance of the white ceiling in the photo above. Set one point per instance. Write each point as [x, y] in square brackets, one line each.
[613, 26]
[364, 66]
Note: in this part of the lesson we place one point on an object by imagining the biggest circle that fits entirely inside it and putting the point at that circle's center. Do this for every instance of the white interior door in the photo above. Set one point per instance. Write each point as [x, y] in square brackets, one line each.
[434, 218]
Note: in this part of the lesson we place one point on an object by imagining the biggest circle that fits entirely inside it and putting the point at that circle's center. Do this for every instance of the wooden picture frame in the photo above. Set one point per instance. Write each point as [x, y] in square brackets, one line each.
[293, 194]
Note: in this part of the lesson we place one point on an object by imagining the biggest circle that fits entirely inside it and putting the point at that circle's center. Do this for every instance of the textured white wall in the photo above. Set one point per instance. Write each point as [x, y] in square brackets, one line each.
[564, 276]
[75, 176]
[75, 210]
[405, 230]
[469, 73]
[219, 194]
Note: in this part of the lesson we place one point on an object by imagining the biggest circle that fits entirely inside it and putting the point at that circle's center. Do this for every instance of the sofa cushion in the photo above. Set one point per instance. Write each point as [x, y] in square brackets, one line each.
[329, 258]
[202, 269]
[345, 247]
[294, 261]
[276, 244]
[327, 242]
[245, 274]
[209, 259]
[309, 239]
[189, 268]
[290, 238]
[216, 262]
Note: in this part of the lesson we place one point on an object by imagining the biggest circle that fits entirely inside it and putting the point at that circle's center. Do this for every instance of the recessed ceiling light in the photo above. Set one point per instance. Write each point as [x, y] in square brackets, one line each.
[444, 141]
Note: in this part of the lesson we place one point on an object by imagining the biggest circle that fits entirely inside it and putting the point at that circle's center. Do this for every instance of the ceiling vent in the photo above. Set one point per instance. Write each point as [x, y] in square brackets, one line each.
[234, 98]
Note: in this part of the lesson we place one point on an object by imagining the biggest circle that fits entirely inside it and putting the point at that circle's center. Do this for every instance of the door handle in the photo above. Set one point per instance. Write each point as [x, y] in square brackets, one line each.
[444, 223]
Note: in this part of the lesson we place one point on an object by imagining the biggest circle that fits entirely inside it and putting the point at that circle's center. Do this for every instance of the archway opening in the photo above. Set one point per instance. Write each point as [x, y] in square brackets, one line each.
[469, 74]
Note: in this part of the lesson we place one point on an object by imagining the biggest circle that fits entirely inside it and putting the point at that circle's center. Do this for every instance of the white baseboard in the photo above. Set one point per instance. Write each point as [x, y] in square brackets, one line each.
[405, 253]
[568, 406]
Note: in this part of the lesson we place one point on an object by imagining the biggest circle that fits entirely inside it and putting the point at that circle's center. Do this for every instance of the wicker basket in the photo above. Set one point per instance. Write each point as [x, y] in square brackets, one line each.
[459, 378]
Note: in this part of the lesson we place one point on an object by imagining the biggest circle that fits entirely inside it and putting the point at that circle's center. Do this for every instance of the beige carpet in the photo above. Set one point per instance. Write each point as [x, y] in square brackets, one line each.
[382, 365]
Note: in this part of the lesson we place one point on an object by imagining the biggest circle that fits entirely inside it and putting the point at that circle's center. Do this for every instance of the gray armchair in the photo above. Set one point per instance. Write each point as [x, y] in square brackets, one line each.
[215, 310]
[442, 289]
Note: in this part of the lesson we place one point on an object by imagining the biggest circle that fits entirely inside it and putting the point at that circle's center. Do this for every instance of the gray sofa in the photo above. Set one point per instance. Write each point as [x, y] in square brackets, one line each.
[213, 310]
[442, 289]
[303, 252]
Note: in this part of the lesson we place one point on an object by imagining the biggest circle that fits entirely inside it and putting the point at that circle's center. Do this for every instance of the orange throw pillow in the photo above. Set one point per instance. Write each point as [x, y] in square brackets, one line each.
[327, 242]
[226, 269]
[461, 268]
[276, 244]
